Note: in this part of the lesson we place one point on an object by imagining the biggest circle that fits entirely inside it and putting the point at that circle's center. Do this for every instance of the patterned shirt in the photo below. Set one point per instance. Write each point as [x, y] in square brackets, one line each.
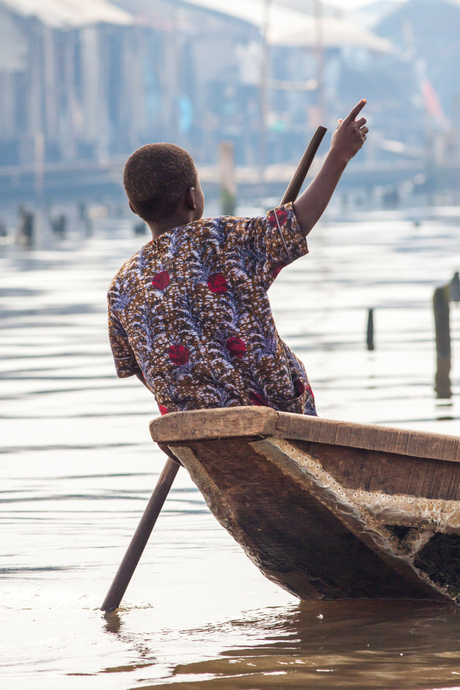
[190, 312]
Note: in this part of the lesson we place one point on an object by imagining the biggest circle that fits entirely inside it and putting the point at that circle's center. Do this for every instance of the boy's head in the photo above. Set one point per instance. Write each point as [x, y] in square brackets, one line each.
[157, 178]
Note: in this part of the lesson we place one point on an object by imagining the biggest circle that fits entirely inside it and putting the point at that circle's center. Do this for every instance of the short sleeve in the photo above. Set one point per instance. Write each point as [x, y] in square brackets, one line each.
[123, 355]
[270, 243]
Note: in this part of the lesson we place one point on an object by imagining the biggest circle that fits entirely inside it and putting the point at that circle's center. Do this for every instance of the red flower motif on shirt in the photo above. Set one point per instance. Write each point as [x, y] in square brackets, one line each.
[258, 400]
[217, 283]
[236, 347]
[282, 217]
[178, 354]
[160, 281]
[163, 409]
[276, 269]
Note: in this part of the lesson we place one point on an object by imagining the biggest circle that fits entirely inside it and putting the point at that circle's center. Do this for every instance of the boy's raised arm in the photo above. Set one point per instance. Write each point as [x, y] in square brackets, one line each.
[347, 139]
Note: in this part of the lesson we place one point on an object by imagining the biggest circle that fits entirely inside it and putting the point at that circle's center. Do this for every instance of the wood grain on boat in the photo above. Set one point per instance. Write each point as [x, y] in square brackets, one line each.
[328, 509]
[264, 421]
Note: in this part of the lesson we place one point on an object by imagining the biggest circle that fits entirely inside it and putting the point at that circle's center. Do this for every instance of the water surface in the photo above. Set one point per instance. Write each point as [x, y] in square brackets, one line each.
[77, 467]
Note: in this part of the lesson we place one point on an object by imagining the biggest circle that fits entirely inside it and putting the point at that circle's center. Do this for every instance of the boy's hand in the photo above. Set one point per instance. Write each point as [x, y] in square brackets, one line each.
[350, 134]
[347, 139]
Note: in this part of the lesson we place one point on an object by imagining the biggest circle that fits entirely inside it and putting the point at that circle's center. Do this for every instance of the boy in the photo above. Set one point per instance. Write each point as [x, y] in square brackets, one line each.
[189, 313]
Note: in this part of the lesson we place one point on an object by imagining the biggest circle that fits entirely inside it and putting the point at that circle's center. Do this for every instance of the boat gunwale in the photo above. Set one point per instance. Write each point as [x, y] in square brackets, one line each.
[231, 422]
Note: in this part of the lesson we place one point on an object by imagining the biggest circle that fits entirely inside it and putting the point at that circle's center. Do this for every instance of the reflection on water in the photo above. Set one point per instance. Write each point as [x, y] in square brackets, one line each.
[77, 467]
[361, 644]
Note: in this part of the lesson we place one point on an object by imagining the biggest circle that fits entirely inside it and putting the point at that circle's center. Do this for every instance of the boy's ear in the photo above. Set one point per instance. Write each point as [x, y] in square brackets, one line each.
[190, 198]
[131, 207]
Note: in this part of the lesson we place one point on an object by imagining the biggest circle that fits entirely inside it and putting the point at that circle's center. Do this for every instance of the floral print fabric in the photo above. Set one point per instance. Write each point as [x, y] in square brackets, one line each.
[190, 312]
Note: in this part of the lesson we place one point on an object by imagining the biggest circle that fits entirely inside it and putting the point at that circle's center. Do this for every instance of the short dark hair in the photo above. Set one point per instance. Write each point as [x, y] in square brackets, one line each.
[156, 177]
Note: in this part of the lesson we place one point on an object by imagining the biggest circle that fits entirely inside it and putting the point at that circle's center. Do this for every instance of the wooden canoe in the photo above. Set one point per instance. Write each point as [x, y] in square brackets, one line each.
[327, 509]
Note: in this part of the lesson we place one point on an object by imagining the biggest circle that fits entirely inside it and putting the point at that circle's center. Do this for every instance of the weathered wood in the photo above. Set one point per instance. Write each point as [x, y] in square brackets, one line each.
[216, 423]
[441, 298]
[303, 532]
[300, 174]
[392, 473]
[370, 330]
[402, 510]
[360, 522]
[264, 421]
[328, 509]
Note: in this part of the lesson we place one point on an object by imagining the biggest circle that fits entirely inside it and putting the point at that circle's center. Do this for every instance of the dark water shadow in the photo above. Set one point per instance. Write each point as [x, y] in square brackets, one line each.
[13, 571]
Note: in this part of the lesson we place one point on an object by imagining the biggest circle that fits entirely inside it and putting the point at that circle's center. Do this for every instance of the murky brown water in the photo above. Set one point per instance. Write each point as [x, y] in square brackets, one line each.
[77, 467]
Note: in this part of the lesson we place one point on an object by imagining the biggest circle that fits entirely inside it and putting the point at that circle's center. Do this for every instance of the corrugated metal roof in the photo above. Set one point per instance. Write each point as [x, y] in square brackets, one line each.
[289, 27]
[69, 13]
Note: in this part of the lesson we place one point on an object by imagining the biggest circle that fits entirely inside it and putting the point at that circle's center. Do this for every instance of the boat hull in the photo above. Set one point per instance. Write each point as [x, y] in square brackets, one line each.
[371, 514]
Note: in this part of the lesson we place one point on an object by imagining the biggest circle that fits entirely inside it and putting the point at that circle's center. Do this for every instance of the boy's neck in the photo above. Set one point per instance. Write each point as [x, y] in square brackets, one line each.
[190, 208]
[174, 221]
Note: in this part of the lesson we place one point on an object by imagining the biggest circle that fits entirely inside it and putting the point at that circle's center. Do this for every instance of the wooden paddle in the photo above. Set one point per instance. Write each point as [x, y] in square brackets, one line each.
[300, 174]
[156, 502]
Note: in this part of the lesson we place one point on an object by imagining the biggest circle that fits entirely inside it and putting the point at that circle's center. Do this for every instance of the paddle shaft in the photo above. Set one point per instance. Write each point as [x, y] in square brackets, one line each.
[141, 536]
[300, 174]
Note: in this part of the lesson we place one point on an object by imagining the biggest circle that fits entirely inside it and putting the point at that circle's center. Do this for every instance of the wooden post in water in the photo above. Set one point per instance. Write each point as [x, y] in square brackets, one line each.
[455, 288]
[227, 179]
[370, 330]
[26, 227]
[441, 298]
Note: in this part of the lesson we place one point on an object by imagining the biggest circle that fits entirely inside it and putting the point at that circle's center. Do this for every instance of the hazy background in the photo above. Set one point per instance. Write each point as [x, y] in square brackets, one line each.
[242, 85]
[83, 84]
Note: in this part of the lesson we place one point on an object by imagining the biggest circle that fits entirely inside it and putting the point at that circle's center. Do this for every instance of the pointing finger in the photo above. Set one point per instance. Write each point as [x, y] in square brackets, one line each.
[356, 110]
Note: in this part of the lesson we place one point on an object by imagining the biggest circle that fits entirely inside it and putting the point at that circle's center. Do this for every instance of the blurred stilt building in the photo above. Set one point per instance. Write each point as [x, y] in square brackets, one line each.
[85, 82]
[89, 79]
[57, 74]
